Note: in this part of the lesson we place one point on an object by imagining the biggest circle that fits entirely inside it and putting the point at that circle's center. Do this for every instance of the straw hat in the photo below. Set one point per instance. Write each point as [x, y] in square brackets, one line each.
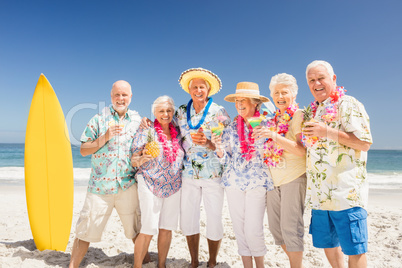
[213, 80]
[248, 90]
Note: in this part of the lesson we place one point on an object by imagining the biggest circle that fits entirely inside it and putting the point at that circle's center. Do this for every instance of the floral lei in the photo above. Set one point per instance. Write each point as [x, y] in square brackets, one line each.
[169, 152]
[246, 146]
[279, 124]
[331, 111]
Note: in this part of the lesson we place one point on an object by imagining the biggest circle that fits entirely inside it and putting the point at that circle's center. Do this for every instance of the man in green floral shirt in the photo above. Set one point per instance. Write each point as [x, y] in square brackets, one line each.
[108, 138]
[337, 138]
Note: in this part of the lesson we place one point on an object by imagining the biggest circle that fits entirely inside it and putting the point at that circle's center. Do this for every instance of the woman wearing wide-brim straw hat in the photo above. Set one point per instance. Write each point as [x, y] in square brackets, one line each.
[246, 178]
[202, 172]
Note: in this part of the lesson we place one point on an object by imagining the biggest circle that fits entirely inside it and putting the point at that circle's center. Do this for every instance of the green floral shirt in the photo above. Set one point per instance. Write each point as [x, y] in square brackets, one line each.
[337, 176]
[111, 165]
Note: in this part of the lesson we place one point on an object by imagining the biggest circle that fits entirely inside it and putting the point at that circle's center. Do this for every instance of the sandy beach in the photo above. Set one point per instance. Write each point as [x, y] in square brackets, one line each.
[17, 248]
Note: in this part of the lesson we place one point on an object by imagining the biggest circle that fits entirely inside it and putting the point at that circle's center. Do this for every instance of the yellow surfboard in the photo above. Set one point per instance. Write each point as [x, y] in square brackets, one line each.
[49, 183]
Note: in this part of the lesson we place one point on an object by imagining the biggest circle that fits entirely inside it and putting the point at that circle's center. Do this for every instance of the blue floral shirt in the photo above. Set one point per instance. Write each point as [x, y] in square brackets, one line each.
[110, 165]
[239, 173]
[200, 162]
[161, 177]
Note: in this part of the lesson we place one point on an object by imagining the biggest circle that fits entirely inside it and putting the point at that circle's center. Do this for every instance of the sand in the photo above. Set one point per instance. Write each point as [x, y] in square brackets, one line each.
[17, 248]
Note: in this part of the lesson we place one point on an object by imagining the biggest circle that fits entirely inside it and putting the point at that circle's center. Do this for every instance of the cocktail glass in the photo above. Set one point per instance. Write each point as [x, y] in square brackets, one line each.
[254, 121]
[218, 129]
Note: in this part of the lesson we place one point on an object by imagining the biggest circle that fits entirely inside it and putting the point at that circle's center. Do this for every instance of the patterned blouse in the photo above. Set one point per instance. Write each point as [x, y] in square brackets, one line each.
[239, 173]
[110, 165]
[336, 174]
[161, 177]
[200, 162]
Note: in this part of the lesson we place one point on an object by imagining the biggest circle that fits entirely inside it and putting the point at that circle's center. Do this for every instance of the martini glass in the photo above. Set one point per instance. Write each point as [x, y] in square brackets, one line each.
[254, 121]
[218, 128]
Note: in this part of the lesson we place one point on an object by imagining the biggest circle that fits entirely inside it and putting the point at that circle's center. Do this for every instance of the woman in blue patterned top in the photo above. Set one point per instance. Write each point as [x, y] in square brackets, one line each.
[159, 181]
[246, 178]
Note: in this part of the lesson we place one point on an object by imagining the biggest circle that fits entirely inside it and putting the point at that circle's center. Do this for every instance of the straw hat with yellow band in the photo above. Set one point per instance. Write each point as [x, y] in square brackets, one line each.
[246, 90]
[211, 78]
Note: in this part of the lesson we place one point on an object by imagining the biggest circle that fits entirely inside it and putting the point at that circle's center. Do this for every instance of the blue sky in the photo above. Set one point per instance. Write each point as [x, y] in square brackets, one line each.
[84, 46]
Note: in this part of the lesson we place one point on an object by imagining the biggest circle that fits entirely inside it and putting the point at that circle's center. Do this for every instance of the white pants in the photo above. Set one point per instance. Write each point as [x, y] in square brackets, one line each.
[247, 209]
[212, 194]
[157, 213]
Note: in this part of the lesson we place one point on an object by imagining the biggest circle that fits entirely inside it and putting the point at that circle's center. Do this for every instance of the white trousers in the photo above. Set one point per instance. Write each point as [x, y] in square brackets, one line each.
[212, 194]
[247, 209]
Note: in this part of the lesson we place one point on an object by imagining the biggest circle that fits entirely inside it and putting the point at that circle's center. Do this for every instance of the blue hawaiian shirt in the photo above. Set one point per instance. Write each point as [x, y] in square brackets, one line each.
[110, 165]
[200, 162]
[239, 173]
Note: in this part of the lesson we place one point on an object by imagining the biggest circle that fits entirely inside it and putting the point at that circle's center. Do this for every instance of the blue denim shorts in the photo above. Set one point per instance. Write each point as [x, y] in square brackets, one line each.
[345, 228]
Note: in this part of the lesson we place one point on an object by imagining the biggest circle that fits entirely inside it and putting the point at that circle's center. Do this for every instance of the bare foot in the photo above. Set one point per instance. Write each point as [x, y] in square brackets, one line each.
[194, 265]
[211, 265]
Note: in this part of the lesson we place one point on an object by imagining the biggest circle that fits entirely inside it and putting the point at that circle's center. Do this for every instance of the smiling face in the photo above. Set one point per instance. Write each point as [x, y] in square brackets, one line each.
[321, 83]
[164, 113]
[121, 96]
[282, 97]
[245, 108]
[198, 90]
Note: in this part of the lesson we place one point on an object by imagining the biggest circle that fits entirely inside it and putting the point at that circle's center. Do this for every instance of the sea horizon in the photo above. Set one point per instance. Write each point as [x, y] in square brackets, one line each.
[384, 167]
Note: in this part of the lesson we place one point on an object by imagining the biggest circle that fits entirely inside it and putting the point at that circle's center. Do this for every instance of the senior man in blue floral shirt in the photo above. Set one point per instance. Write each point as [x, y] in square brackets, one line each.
[108, 138]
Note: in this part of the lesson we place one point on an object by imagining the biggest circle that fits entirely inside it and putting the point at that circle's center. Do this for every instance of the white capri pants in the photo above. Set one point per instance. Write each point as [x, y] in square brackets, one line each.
[157, 213]
[247, 209]
[212, 194]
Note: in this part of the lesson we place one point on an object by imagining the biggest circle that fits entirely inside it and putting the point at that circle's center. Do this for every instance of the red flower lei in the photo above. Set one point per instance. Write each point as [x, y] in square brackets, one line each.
[169, 152]
[246, 146]
[280, 126]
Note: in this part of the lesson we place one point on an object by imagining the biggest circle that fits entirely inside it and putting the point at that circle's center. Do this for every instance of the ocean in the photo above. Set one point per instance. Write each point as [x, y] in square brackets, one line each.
[384, 167]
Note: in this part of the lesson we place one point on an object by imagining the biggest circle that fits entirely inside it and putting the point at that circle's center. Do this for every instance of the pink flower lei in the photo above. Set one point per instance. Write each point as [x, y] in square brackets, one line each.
[330, 115]
[332, 109]
[279, 124]
[246, 146]
[169, 152]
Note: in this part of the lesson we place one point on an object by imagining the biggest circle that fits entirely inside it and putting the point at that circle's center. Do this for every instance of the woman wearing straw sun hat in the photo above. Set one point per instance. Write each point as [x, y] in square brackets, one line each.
[246, 178]
[201, 175]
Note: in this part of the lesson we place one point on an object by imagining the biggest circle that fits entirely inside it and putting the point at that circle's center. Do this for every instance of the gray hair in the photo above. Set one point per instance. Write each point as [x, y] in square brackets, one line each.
[162, 99]
[284, 79]
[256, 101]
[324, 64]
[206, 82]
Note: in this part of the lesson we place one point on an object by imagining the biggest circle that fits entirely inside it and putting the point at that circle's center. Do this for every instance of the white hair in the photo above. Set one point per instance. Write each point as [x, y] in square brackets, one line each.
[284, 79]
[160, 100]
[206, 82]
[256, 101]
[324, 64]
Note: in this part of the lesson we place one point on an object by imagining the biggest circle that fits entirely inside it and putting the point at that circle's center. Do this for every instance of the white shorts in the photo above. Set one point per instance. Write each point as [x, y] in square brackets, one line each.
[212, 194]
[157, 213]
[247, 210]
[98, 208]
